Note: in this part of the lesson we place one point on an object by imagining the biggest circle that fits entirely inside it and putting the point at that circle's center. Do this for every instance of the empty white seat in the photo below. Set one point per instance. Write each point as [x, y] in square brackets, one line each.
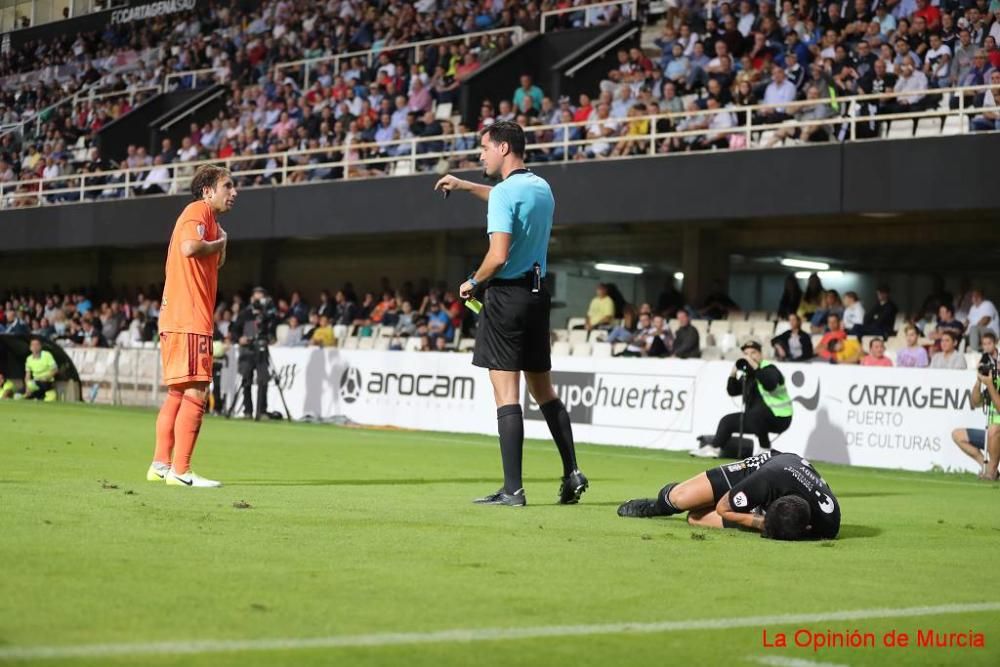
[383, 343]
[466, 344]
[575, 322]
[726, 342]
[597, 335]
[351, 343]
[281, 333]
[928, 127]
[366, 343]
[765, 330]
[560, 334]
[757, 315]
[720, 327]
[412, 344]
[952, 125]
[560, 349]
[581, 349]
[601, 349]
[711, 353]
[742, 329]
[900, 129]
[578, 335]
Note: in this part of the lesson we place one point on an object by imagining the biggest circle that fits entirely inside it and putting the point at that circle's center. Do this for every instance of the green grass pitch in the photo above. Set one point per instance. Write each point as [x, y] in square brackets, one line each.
[354, 536]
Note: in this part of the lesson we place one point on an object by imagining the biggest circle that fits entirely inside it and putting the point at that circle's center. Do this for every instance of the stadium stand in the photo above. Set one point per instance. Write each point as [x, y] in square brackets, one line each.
[405, 318]
[320, 92]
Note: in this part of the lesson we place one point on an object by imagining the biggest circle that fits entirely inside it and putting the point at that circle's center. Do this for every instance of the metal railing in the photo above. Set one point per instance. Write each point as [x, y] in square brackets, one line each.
[588, 11]
[194, 78]
[307, 65]
[650, 135]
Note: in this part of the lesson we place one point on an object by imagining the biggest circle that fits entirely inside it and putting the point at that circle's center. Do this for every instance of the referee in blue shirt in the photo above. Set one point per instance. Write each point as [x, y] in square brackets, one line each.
[513, 332]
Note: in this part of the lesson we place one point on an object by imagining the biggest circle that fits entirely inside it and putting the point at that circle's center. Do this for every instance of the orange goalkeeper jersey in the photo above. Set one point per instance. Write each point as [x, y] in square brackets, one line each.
[191, 282]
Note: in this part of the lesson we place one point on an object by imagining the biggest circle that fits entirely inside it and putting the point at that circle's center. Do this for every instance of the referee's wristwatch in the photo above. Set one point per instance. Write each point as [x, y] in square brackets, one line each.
[473, 281]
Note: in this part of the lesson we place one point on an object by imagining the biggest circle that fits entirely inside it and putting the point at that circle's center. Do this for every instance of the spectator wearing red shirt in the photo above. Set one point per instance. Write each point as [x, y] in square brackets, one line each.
[583, 111]
[929, 13]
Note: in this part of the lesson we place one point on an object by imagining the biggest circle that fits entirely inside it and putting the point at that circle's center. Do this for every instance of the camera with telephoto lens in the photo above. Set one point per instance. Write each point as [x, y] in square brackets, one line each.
[986, 366]
[265, 316]
[743, 366]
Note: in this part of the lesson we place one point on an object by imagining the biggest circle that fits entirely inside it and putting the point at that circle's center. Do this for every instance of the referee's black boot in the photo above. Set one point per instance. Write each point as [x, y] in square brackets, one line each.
[501, 497]
[572, 487]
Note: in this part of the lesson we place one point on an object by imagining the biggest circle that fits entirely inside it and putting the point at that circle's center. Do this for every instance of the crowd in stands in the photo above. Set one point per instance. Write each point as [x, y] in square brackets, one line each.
[267, 112]
[431, 314]
[722, 56]
[813, 324]
[711, 56]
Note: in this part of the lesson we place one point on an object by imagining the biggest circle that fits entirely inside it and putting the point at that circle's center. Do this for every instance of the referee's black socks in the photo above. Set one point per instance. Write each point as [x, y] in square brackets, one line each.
[510, 426]
[562, 432]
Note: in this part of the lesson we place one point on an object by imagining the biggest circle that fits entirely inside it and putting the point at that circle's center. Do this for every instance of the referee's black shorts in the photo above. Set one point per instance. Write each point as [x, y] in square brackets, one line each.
[513, 332]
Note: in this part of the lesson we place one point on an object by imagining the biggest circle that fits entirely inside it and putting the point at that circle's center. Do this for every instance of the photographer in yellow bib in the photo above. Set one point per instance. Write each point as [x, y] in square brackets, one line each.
[767, 407]
[982, 445]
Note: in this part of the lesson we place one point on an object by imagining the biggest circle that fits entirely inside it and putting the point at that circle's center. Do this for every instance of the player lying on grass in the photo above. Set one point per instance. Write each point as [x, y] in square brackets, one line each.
[780, 495]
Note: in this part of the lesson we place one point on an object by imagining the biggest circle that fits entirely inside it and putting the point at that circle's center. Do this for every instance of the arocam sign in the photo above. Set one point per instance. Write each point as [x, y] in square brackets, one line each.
[423, 385]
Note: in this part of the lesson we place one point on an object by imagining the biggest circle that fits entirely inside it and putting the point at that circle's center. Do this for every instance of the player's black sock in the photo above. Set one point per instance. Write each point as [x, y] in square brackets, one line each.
[510, 426]
[663, 503]
[562, 432]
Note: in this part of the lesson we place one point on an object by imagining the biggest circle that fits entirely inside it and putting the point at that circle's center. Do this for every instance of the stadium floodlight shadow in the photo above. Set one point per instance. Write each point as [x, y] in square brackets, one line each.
[851, 531]
[418, 481]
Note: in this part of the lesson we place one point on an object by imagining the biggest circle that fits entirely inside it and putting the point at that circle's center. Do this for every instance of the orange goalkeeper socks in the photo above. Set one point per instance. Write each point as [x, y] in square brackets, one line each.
[165, 427]
[187, 427]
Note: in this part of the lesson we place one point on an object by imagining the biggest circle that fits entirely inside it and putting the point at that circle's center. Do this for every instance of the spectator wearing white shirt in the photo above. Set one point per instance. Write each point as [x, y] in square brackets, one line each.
[747, 19]
[911, 86]
[157, 180]
[854, 312]
[937, 64]
[949, 356]
[296, 334]
[602, 127]
[720, 123]
[622, 103]
[779, 91]
[982, 318]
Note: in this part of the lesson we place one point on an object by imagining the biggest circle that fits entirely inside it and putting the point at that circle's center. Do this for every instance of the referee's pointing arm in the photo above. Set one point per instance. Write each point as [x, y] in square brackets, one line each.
[499, 250]
[451, 183]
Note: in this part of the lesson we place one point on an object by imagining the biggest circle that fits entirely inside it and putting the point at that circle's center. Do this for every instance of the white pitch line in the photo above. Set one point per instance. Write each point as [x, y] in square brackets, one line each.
[778, 661]
[462, 636]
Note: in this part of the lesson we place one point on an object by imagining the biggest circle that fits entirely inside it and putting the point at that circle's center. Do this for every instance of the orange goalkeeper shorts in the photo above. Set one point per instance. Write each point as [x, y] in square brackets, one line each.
[186, 357]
